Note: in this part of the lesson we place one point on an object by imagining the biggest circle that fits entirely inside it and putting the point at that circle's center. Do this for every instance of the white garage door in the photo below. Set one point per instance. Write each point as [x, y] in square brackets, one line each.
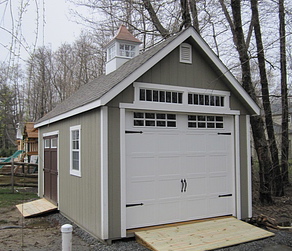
[179, 167]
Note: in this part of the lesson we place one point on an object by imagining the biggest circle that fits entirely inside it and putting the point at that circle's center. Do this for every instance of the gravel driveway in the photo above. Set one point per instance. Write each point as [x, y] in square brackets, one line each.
[282, 241]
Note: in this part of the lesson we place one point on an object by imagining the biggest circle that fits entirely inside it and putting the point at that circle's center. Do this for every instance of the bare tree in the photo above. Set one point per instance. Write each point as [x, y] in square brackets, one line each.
[277, 181]
[284, 93]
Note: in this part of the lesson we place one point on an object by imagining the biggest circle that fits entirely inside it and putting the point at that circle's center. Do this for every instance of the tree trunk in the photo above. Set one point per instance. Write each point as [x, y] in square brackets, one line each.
[194, 11]
[186, 17]
[284, 93]
[257, 123]
[277, 182]
[148, 6]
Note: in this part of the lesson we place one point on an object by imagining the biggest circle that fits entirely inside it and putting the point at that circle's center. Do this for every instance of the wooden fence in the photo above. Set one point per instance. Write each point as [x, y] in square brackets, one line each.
[27, 170]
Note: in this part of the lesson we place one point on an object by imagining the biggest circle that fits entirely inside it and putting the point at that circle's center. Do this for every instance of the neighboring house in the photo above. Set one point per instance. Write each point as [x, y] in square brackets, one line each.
[27, 140]
[163, 137]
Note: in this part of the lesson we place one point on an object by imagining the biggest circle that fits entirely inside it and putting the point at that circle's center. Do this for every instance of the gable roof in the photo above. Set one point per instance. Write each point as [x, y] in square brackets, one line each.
[101, 90]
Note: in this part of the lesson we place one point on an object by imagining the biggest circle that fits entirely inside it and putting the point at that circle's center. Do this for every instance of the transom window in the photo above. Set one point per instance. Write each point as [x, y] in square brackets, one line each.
[147, 119]
[201, 121]
[205, 99]
[161, 96]
[127, 50]
[75, 163]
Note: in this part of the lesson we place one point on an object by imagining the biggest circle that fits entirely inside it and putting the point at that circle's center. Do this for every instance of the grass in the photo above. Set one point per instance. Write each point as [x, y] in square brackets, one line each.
[8, 199]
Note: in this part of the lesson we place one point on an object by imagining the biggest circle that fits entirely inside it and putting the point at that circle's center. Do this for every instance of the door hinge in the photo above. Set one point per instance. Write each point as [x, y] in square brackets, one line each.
[224, 133]
[134, 132]
[134, 205]
[225, 195]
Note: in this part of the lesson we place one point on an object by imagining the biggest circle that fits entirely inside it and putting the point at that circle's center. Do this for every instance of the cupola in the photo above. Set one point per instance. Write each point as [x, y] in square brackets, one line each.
[120, 49]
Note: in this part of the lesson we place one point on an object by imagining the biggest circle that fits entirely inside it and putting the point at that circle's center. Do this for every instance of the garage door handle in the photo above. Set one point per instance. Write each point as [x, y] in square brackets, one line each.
[186, 184]
[182, 185]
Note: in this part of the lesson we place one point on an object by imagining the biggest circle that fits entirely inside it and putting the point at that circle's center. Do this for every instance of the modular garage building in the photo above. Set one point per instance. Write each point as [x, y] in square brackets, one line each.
[163, 137]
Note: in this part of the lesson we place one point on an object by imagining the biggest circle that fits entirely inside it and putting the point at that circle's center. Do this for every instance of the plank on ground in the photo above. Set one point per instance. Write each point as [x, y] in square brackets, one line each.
[36, 207]
[202, 236]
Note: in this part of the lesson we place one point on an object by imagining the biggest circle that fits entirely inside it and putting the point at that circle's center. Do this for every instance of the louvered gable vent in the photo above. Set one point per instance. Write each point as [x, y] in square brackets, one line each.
[186, 53]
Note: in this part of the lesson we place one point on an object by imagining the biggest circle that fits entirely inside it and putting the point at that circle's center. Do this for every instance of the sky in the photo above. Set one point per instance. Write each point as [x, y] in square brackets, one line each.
[53, 28]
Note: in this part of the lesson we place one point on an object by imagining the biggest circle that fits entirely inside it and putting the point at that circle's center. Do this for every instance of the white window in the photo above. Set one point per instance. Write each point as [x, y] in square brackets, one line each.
[205, 99]
[111, 52]
[47, 143]
[75, 145]
[151, 119]
[185, 53]
[54, 142]
[161, 96]
[127, 50]
[202, 122]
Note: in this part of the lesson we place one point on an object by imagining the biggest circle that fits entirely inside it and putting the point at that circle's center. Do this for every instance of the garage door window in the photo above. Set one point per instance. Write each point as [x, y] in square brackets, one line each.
[147, 119]
[209, 122]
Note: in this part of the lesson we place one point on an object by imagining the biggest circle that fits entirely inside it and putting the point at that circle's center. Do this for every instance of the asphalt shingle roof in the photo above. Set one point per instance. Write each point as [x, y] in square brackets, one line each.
[95, 89]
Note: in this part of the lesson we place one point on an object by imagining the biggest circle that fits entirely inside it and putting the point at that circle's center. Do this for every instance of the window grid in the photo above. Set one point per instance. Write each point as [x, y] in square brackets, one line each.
[207, 122]
[75, 157]
[147, 119]
[161, 96]
[127, 50]
[205, 100]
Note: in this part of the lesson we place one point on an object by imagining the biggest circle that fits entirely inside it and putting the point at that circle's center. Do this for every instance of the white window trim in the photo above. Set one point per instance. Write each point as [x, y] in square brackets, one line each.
[181, 59]
[72, 171]
[184, 106]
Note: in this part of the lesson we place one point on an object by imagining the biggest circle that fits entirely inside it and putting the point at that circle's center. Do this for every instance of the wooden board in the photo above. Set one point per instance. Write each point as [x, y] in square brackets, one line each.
[207, 235]
[36, 207]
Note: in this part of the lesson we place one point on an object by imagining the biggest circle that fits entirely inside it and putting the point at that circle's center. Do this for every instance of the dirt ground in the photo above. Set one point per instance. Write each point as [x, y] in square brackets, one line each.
[43, 233]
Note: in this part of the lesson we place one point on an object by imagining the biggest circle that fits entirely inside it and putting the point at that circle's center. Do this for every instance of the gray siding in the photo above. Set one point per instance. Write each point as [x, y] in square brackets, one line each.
[79, 197]
[114, 184]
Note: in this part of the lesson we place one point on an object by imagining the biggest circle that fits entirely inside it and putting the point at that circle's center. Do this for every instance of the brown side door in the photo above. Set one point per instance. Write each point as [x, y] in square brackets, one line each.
[50, 168]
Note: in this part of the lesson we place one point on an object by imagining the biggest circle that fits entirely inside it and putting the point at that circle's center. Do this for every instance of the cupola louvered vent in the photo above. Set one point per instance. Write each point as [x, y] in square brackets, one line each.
[186, 53]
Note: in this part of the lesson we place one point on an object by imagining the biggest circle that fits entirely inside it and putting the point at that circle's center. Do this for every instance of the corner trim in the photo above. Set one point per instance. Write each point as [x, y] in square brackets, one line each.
[104, 171]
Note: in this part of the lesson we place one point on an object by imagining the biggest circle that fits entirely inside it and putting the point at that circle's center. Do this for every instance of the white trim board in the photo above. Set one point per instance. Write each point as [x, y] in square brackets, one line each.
[104, 172]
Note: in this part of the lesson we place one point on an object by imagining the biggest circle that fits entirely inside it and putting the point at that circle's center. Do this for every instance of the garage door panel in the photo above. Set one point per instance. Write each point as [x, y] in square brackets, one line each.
[194, 208]
[195, 165]
[168, 143]
[179, 173]
[141, 166]
[218, 163]
[141, 143]
[169, 189]
[195, 143]
[197, 185]
[219, 185]
[168, 165]
[146, 191]
[166, 215]
[140, 216]
[218, 143]
[220, 206]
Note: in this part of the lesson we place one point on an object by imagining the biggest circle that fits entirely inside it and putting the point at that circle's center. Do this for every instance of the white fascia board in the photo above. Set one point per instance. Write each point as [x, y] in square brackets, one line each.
[71, 113]
[226, 72]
